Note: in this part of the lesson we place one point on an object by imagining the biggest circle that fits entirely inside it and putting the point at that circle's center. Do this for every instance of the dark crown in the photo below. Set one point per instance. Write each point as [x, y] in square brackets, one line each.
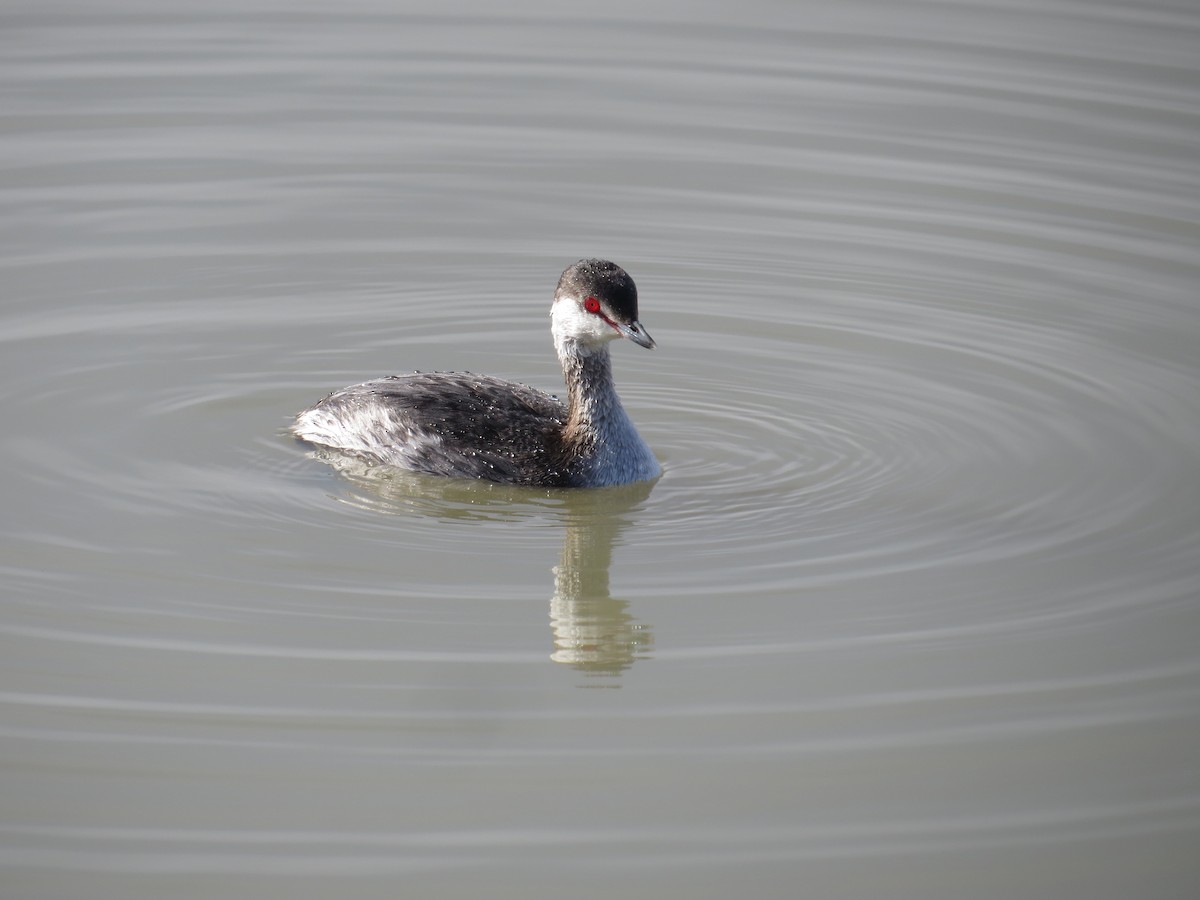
[606, 281]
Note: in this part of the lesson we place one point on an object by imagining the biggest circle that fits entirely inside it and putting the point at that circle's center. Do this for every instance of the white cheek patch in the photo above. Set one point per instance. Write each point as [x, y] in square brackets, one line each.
[569, 323]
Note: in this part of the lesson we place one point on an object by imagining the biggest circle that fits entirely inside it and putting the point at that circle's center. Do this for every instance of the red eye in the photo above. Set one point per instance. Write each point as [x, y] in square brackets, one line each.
[592, 305]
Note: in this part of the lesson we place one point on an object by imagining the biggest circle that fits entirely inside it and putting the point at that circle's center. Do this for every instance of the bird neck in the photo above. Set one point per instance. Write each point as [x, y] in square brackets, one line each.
[592, 402]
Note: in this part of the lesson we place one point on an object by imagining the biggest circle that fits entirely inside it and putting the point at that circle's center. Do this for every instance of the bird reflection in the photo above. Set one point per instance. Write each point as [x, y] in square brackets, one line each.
[592, 631]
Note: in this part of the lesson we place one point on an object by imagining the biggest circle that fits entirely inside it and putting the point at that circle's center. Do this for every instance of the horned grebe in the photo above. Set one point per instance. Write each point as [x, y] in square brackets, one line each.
[476, 426]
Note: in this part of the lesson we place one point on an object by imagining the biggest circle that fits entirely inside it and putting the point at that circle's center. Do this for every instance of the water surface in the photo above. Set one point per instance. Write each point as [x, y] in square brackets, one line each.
[913, 611]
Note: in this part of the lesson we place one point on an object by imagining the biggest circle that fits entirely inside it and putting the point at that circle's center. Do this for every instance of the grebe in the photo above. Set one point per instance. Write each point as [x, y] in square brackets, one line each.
[477, 426]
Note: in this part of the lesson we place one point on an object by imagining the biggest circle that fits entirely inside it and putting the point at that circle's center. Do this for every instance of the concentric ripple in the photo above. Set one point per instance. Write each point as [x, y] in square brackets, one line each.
[913, 604]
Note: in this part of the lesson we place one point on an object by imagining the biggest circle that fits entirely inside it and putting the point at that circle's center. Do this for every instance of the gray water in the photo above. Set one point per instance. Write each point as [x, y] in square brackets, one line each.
[914, 611]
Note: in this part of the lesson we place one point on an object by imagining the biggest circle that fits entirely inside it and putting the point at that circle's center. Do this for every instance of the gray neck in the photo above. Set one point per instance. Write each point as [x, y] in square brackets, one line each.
[593, 406]
[599, 440]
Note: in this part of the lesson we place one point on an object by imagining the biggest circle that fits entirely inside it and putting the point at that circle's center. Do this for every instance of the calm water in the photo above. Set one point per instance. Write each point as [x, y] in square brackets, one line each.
[914, 611]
